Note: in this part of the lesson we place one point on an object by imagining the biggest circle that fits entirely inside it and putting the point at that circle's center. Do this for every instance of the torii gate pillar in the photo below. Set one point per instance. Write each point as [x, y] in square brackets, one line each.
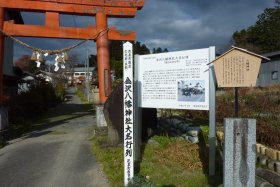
[104, 72]
[2, 17]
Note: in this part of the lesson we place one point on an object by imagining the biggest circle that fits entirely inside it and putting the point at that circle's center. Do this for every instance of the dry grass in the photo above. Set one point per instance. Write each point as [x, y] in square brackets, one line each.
[173, 162]
[181, 152]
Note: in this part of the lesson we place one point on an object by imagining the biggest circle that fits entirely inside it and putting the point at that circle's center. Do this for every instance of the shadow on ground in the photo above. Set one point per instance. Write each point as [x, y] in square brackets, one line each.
[217, 179]
[55, 116]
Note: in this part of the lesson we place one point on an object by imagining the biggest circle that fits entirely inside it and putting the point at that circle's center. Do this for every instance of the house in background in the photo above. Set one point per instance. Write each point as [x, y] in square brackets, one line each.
[269, 73]
[79, 74]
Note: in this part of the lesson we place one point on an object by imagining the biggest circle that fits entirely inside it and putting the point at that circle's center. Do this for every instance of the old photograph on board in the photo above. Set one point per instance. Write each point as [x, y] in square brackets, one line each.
[191, 90]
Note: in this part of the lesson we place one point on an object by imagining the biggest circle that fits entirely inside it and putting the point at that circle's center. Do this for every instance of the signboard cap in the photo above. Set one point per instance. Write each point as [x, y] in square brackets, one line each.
[127, 44]
[242, 50]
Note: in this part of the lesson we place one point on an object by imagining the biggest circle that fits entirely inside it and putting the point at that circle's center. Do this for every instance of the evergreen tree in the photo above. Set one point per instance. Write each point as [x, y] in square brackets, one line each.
[140, 49]
[264, 35]
[116, 50]
[92, 61]
[158, 50]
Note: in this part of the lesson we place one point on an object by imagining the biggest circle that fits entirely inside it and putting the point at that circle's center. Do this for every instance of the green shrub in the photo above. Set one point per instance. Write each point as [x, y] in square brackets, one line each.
[60, 92]
[33, 102]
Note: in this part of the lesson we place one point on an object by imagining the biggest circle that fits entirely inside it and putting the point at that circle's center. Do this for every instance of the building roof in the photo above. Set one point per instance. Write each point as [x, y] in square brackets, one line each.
[272, 54]
[82, 69]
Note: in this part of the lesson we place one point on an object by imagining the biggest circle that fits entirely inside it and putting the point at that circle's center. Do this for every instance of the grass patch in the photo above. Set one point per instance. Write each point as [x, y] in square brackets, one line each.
[82, 96]
[165, 162]
[87, 104]
[172, 162]
[111, 159]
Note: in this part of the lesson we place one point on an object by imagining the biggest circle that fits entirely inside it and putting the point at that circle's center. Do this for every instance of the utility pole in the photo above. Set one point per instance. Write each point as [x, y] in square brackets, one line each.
[87, 74]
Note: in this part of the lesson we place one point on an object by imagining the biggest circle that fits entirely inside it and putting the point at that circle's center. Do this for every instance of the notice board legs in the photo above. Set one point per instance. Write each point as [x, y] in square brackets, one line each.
[212, 116]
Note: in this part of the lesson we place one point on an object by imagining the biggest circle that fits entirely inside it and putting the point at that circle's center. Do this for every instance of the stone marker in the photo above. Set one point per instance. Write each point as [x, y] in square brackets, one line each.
[239, 152]
[100, 120]
[95, 96]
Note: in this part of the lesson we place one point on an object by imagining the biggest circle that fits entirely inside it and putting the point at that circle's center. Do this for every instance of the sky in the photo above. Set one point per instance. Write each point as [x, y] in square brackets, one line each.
[172, 24]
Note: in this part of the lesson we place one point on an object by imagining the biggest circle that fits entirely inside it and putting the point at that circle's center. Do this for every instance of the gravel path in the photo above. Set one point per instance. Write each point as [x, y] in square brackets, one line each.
[57, 156]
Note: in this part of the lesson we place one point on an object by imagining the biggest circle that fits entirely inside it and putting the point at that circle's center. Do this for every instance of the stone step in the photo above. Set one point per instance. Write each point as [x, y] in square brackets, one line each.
[262, 183]
[269, 176]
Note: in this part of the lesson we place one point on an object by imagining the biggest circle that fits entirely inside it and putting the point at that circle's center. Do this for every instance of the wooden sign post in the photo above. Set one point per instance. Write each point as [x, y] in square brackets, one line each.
[128, 112]
[237, 68]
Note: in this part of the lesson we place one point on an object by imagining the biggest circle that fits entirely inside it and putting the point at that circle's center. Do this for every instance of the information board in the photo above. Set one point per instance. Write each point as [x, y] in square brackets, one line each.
[175, 80]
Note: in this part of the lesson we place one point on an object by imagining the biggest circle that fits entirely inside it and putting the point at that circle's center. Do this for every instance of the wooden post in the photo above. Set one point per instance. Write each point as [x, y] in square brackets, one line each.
[104, 72]
[236, 101]
[2, 39]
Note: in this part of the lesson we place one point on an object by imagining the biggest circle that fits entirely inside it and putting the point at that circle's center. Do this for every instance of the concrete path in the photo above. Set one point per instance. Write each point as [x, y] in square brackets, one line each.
[57, 156]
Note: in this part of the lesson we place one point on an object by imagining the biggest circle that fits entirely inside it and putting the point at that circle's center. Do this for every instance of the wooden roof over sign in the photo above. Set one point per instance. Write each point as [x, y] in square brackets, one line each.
[112, 8]
[239, 49]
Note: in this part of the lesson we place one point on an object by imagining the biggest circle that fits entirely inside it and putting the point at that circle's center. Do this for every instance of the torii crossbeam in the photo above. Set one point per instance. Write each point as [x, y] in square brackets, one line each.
[101, 9]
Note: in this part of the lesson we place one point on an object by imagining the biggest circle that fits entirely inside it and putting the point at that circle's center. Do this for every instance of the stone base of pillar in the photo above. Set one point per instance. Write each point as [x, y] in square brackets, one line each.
[100, 119]
[95, 93]
[4, 120]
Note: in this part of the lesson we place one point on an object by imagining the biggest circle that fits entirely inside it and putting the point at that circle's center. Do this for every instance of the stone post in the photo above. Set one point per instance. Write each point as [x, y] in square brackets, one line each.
[239, 152]
[100, 119]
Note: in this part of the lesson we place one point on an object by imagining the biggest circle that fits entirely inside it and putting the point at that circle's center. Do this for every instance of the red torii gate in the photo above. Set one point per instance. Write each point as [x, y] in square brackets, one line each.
[52, 8]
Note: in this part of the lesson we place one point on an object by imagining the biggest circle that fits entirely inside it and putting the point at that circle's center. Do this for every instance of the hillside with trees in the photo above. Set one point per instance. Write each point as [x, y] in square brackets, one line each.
[263, 36]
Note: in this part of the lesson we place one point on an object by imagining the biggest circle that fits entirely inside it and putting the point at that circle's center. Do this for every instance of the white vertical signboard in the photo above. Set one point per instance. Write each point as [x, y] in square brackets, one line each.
[128, 112]
[178, 80]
